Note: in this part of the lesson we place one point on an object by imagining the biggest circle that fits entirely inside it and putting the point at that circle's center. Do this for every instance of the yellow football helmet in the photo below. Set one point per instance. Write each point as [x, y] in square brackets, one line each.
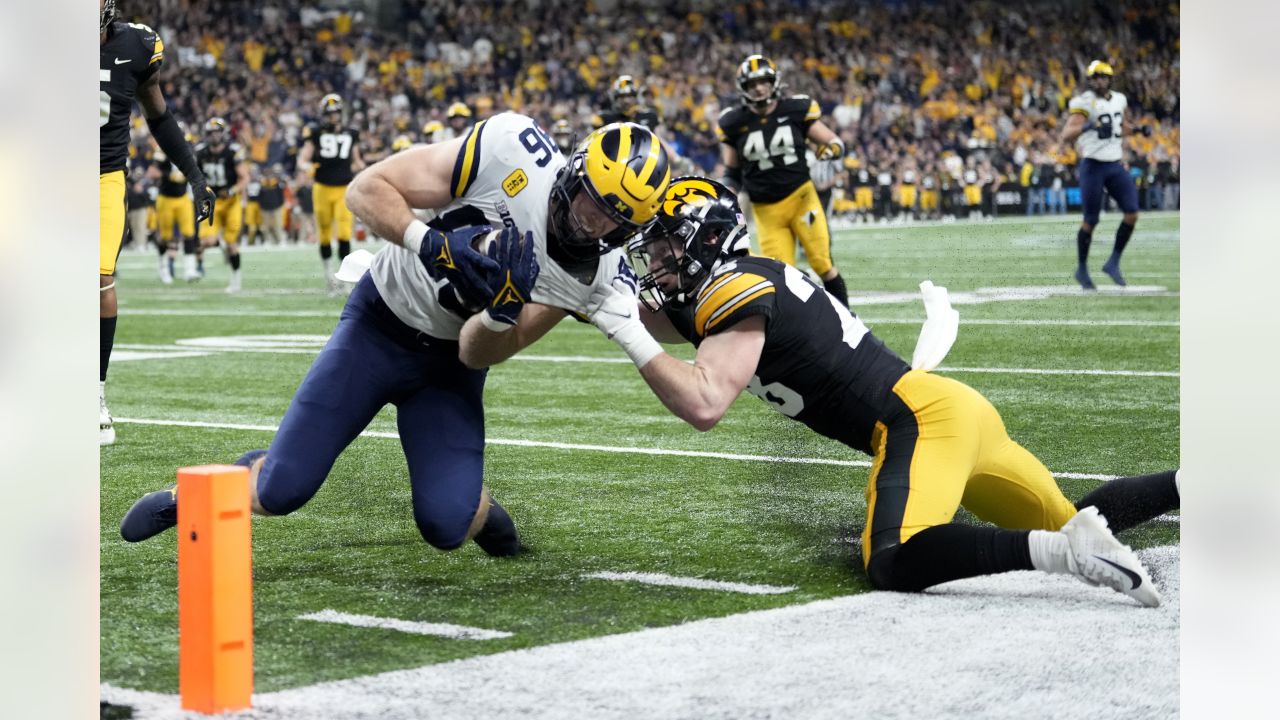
[623, 169]
[402, 142]
[458, 110]
[430, 129]
[1098, 67]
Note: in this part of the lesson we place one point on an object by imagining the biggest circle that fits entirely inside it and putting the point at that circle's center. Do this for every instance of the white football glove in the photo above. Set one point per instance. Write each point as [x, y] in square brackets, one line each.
[615, 311]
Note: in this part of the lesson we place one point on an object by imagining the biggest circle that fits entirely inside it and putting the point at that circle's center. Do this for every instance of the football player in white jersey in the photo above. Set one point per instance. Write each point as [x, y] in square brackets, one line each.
[1095, 125]
[563, 224]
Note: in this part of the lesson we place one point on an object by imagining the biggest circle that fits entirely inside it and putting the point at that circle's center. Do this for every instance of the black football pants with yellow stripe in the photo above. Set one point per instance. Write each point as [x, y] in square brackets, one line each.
[943, 446]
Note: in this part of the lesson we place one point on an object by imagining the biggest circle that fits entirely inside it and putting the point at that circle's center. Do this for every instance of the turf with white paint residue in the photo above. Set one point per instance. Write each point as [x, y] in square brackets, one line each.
[1017, 645]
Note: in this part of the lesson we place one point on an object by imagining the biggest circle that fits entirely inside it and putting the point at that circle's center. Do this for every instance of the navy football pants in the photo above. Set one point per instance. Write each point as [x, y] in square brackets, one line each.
[371, 360]
[1097, 177]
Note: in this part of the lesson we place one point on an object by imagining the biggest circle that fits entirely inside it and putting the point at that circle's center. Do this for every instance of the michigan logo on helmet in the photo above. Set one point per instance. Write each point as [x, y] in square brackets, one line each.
[1098, 67]
[611, 188]
[758, 82]
[699, 226]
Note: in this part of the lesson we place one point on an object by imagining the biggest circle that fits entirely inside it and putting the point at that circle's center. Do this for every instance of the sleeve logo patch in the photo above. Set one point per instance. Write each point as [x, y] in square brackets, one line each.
[515, 182]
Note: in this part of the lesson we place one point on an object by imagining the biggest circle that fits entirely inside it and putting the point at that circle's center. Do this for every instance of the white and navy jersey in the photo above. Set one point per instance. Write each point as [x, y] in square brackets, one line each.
[503, 176]
[1103, 117]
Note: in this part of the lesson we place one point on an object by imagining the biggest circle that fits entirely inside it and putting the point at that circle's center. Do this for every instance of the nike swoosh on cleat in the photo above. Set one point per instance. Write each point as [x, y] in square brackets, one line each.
[1133, 576]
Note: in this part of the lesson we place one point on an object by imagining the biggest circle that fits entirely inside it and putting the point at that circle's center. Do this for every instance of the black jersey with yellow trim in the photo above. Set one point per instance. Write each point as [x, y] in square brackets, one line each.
[770, 147]
[467, 165]
[820, 365]
[130, 56]
[334, 148]
[221, 167]
[647, 117]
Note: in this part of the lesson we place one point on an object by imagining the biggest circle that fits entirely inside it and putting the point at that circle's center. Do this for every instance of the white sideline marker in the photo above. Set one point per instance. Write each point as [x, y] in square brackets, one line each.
[687, 582]
[457, 632]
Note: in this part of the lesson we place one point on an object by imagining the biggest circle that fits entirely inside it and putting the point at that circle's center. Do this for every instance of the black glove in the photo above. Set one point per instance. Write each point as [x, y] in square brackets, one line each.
[513, 285]
[202, 198]
[451, 256]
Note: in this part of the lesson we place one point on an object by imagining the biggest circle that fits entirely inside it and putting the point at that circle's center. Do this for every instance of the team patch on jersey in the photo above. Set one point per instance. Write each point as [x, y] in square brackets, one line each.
[515, 182]
[725, 295]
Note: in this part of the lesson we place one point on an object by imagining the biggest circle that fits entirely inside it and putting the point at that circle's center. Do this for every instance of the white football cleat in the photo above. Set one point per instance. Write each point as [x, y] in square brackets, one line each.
[1098, 558]
[106, 428]
[234, 285]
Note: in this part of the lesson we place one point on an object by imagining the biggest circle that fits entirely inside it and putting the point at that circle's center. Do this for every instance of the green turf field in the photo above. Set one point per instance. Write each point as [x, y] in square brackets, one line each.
[355, 548]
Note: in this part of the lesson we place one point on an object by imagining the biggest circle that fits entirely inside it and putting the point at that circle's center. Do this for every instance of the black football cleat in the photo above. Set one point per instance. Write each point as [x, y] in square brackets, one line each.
[1082, 277]
[498, 537]
[151, 515]
[1112, 268]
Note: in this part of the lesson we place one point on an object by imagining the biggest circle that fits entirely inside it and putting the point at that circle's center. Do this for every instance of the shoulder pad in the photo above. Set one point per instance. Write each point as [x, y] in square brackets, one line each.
[726, 296]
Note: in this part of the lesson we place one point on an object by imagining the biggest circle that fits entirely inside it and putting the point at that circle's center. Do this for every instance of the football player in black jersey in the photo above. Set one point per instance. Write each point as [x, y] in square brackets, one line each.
[626, 104]
[336, 149]
[562, 132]
[763, 153]
[227, 172]
[131, 55]
[765, 327]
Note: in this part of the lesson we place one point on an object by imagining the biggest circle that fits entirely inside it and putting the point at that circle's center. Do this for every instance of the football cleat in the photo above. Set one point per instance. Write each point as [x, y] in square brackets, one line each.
[106, 426]
[234, 286]
[1082, 277]
[1097, 558]
[1112, 268]
[151, 515]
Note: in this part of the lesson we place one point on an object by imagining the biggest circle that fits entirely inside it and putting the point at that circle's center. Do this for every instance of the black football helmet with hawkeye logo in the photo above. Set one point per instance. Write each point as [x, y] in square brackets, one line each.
[758, 95]
[699, 226]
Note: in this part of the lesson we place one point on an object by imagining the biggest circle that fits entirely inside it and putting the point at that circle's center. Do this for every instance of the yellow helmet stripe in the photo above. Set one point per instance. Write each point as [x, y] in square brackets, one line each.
[755, 63]
[468, 164]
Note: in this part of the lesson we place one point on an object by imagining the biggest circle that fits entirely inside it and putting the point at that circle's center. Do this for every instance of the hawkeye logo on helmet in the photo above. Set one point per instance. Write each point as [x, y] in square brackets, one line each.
[687, 192]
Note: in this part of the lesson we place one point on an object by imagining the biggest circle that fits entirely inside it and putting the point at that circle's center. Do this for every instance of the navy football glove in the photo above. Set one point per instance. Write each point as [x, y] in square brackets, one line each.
[450, 256]
[513, 284]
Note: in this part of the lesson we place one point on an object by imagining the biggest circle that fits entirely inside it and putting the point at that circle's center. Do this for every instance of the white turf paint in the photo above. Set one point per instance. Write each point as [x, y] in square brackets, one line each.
[457, 632]
[580, 446]
[333, 314]
[1016, 645]
[664, 580]
[131, 355]
[311, 344]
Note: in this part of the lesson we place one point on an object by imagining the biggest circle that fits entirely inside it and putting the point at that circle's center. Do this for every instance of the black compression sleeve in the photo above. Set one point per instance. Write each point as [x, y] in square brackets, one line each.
[169, 137]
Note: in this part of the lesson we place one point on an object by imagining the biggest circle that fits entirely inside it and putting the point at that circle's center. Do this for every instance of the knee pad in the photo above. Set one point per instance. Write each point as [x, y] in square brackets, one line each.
[880, 568]
[276, 494]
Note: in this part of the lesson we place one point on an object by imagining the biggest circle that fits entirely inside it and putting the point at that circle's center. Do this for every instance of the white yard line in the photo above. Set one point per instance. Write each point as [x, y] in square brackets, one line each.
[580, 446]
[646, 578]
[121, 355]
[623, 361]
[457, 632]
[1019, 644]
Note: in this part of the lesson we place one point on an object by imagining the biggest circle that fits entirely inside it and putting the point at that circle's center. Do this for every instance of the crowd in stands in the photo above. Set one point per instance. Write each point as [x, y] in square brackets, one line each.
[942, 95]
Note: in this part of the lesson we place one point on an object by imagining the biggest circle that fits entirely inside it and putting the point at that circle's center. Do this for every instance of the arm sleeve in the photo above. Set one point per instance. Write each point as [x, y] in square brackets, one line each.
[170, 139]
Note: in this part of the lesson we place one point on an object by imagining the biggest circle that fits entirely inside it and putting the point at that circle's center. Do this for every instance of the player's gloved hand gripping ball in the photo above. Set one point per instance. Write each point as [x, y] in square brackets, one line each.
[513, 284]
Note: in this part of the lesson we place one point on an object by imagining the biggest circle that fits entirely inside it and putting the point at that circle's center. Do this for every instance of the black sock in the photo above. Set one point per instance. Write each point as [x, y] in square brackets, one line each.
[1123, 233]
[498, 536]
[189, 246]
[949, 552]
[1130, 501]
[344, 249]
[106, 339]
[235, 261]
[1083, 240]
[326, 251]
[836, 287]
[161, 247]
